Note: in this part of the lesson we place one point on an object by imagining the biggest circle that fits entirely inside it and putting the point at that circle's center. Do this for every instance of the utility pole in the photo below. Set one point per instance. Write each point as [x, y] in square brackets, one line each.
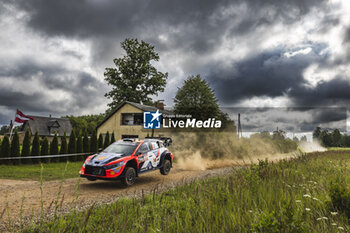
[239, 131]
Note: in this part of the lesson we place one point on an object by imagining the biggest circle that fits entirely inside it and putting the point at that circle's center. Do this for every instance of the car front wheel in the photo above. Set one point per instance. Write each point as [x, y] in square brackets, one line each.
[166, 167]
[129, 177]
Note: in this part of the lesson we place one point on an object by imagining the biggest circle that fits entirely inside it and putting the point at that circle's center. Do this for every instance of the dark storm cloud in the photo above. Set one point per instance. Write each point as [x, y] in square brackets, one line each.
[274, 75]
[195, 29]
[81, 89]
[17, 99]
[289, 119]
[269, 74]
[326, 93]
[197, 25]
[330, 114]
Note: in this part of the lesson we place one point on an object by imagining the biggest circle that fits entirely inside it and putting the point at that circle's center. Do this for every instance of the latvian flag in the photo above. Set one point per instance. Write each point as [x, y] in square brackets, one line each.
[21, 118]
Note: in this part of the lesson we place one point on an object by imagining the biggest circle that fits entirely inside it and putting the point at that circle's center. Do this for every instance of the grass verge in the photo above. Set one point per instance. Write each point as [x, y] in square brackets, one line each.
[289, 196]
[338, 148]
[51, 171]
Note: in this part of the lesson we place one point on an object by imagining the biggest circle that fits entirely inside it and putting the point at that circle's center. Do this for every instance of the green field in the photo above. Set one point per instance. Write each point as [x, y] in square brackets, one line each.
[338, 148]
[51, 171]
[307, 194]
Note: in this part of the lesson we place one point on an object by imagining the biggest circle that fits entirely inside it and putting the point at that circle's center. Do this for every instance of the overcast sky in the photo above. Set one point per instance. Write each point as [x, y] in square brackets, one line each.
[253, 53]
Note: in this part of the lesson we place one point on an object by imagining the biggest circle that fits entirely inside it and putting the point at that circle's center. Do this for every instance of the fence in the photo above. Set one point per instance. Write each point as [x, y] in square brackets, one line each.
[44, 156]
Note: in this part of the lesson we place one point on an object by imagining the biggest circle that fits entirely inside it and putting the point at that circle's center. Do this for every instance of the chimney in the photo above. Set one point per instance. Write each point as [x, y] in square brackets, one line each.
[160, 104]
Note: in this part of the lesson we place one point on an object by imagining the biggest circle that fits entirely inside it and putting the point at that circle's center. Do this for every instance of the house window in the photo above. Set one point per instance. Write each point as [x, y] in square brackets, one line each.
[130, 136]
[131, 119]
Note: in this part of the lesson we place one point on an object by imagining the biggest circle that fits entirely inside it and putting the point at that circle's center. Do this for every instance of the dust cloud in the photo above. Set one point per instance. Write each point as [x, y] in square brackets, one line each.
[210, 150]
[311, 146]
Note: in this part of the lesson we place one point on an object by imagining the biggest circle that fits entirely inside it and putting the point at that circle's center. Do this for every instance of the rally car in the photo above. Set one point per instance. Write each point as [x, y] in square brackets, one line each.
[125, 159]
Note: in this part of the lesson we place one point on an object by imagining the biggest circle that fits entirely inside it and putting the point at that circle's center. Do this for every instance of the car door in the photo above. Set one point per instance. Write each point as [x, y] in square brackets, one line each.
[143, 159]
[153, 154]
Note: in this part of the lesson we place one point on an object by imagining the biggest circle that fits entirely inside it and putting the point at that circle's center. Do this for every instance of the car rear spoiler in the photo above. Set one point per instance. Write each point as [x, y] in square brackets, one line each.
[166, 140]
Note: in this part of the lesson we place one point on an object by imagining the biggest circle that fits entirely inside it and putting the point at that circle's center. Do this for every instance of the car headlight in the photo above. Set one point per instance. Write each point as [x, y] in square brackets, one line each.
[114, 165]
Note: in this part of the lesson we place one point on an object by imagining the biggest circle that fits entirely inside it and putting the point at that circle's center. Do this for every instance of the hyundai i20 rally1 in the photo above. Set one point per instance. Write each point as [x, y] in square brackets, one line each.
[125, 159]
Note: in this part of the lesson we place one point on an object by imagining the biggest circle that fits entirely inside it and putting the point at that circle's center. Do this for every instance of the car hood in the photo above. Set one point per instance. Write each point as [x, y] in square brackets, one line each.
[104, 158]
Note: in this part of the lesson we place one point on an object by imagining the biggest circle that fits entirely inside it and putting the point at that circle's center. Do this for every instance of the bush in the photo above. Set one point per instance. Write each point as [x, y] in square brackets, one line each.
[284, 220]
[72, 146]
[113, 138]
[79, 143]
[5, 149]
[35, 146]
[107, 140]
[340, 197]
[15, 147]
[45, 149]
[93, 142]
[26, 144]
[54, 147]
[63, 149]
[100, 142]
[86, 143]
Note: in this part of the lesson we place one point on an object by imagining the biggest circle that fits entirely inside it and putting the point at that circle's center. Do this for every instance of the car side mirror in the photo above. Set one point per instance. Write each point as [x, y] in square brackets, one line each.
[139, 153]
[100, 150]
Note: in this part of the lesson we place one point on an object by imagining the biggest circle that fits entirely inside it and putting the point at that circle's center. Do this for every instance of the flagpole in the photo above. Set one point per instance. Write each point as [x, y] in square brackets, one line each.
[13, 127]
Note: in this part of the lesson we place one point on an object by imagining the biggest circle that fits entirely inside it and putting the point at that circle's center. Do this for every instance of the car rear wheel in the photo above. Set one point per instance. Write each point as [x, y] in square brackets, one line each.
[166, 167]
[129, 177]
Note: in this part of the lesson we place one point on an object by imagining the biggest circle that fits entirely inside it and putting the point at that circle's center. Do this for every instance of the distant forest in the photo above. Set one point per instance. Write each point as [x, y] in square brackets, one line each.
[85, 123]
[329, 138]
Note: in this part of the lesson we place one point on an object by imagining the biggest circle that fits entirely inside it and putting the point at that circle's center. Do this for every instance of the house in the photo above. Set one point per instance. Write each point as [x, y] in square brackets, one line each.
[126, 121]
[47, 127]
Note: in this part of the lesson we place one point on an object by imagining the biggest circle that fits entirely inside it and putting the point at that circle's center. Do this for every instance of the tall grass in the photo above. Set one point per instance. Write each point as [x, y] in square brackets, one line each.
[289, 196]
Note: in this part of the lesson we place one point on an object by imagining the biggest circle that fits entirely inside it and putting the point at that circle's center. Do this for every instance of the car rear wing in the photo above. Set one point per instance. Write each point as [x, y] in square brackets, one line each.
[166, 140]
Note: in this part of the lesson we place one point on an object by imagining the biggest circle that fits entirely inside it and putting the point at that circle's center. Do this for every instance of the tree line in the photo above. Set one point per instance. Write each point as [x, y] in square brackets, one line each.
[279, 140]
[75, 144]
[329, 138]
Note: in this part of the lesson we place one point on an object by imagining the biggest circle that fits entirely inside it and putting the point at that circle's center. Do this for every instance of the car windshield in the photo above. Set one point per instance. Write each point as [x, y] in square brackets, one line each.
[126, 149]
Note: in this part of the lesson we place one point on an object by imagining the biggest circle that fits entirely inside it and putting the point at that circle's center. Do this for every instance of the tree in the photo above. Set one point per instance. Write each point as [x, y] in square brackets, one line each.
[295, 139]
[72, 145]
[317, 133]
[107, 140]
[93, 142]
[4, 129]
[100, 142]
[64, 147]
[134, 78]
[196, 98]
[79, 143]
[326, 138]
[303, 138]
[54, 147]
[26, 146]
[346, 140]
[336, 138]
[113, 138]
[45, 149]
[35, 146]
[86, 122]
[5, 149]
[86, 143]
[278, 135]
[15, 147]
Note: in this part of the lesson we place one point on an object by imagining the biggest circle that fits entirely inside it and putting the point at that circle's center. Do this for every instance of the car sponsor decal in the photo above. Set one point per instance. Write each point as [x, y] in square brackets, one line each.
[101, 158]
